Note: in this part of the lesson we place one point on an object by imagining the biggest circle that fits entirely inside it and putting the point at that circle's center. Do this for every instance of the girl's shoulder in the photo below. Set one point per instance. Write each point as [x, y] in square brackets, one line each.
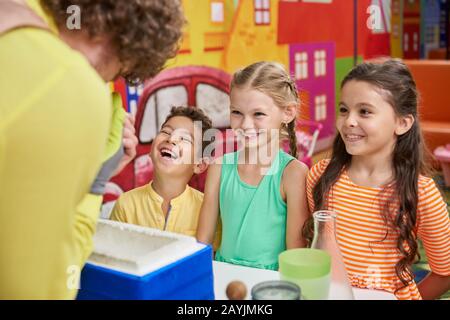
[425, 182]
[223, 159]
[214, 168]
[295, 167]
[426, 187]
[319, 167]
[293, 179]
[432, 207]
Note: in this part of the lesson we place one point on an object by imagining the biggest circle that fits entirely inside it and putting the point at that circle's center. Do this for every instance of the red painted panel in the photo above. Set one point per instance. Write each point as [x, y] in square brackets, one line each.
[313, 22]
[120, 87]
[411, 51]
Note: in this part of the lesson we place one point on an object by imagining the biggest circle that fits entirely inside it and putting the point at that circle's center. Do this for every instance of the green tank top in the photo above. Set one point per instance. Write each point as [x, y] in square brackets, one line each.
[253, 217]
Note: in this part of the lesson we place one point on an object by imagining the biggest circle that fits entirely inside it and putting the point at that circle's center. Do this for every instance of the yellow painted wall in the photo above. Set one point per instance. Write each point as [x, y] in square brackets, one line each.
[249, 42]
[201, 33]
[244, 42]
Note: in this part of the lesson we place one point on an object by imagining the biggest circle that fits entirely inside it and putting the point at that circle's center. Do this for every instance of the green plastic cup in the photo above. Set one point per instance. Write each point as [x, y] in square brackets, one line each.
[309, 269]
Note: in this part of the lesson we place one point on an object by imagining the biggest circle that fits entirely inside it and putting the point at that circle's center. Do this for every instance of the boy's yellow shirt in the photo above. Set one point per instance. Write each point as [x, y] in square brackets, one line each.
[142, 206]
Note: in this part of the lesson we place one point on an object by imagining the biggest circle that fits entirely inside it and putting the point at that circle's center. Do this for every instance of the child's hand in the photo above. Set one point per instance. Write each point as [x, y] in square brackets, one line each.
[120, 148]
[129, 141]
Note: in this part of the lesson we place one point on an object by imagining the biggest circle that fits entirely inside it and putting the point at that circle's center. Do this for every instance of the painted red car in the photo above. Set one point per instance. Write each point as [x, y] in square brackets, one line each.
[195, 86]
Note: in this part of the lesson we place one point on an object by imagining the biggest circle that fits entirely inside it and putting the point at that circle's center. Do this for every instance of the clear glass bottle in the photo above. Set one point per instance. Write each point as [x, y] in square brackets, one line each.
[325, 239]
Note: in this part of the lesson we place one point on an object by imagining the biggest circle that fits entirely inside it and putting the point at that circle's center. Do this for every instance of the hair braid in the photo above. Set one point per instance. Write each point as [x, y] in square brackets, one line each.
[292, 139]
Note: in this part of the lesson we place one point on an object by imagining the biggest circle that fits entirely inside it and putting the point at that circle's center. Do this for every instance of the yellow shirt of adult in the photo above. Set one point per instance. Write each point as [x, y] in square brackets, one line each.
[54, 119]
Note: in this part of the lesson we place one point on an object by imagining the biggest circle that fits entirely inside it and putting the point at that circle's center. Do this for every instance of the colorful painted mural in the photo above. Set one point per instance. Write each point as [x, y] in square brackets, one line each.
[312, 66]
[318, 41]
[227, 35]
[224, 35]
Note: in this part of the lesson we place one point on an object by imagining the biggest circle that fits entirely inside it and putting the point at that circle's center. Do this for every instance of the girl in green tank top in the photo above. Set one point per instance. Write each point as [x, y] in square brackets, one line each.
[259, 190]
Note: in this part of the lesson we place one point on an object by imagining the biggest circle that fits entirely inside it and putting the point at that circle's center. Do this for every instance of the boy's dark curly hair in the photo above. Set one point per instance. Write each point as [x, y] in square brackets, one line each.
[195, 114]
[144, 33]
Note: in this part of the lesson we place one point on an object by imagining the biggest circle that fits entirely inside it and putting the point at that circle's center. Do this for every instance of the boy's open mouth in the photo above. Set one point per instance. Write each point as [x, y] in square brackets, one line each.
[168, 154]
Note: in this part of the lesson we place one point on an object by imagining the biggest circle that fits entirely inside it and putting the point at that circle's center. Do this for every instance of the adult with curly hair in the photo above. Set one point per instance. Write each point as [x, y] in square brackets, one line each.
[55, 116]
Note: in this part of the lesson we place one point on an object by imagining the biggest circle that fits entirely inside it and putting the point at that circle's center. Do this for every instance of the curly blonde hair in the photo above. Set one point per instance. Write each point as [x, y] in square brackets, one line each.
[144, 33]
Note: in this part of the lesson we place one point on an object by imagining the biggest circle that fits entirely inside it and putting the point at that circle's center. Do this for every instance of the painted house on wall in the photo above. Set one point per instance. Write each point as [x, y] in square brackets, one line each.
[419, 28]
[444, 25]
[254, 35]
[206, 34]
[429, 27]
[313, 67]
[319, 57]
[397, 28]
[230, 34]
[411, 29]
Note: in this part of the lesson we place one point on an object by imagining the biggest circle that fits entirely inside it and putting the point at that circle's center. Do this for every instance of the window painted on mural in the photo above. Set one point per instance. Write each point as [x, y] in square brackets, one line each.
[134, 92]
[396, 7]
[416, 41]
[406, 42]
[217, 11]
[320, 103]
[301, 65]
[158, 107]
[215, 103]
[149, 123]
[320, 63]
[395, 31]
[133, 107]
[430, 34]
[262, 12]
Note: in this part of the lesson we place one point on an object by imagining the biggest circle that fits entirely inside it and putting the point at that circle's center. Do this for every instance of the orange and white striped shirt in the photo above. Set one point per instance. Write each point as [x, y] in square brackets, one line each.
[360, 229]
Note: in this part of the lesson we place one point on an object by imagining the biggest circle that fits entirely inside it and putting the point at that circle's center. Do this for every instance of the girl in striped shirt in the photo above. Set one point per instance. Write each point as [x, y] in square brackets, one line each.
[376, 183]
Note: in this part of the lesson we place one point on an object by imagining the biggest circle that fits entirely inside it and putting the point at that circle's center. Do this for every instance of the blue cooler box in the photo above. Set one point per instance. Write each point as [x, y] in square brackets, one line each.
[187, 278]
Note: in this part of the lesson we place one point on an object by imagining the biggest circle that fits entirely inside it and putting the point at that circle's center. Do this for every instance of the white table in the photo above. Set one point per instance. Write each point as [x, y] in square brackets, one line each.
[224, 273]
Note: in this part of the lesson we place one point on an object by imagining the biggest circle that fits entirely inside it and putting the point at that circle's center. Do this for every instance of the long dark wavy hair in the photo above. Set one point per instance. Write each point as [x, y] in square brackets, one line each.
[409, 160]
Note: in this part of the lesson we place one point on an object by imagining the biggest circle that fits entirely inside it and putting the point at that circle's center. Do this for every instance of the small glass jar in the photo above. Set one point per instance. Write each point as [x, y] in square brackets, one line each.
[325, 239]
[276, 290]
